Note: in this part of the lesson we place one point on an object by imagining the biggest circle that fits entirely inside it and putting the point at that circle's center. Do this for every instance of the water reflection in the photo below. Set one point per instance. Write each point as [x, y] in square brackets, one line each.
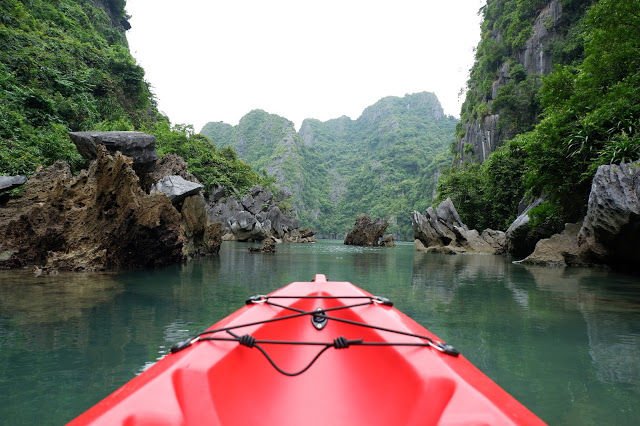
[565, 342]
[29, 299]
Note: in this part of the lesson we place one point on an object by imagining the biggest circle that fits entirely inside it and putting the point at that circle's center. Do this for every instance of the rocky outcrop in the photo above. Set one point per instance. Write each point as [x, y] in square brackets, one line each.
[201, 238]
[176, 188]
[103, 219]
[558, 250]
[441, 230]
[254, 218]
[388, 241]
[303, 235]
[141, 147]
[520, 241]
[611, 230]
[170, 164]
[366, 232]
[100, 219]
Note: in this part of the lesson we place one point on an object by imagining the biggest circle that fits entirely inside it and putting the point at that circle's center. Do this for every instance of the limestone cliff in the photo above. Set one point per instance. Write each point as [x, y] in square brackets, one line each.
[519, 45]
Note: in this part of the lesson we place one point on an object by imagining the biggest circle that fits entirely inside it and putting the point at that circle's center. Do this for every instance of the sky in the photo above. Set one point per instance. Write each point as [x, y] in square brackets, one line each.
[216, 60]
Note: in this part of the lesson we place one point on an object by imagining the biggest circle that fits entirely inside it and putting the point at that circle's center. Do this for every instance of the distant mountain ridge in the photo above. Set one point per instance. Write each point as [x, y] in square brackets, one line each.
[384, 163]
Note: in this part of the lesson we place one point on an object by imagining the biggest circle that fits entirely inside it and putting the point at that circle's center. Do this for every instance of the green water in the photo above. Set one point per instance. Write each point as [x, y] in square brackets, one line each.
[564, 342]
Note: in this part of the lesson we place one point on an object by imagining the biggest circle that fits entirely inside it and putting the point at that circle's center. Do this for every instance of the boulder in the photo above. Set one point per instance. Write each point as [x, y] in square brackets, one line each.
[100, 219]
[176, 188]
[141, 147]
[366, 232]
[388, 241]
[254, 217]
[268, 246]
[442, 227]
[520, 240]
[558, 250]
[611, 229]
[169, 165]
[496, 239]
[201, 237]
[430, 230]
[304, 235]
[246, 227]
[7, 183]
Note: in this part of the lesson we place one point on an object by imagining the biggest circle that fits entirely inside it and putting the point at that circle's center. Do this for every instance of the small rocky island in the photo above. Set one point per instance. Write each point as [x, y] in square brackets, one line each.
[369, 233]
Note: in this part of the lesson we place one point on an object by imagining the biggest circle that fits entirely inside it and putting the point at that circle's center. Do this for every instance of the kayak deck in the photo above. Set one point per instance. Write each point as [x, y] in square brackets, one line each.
[224, 382]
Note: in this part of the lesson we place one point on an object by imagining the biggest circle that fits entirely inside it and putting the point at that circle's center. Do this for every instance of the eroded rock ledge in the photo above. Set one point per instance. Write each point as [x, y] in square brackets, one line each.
[370, 233]
[441, 230]
[102, 219]
[255, 217]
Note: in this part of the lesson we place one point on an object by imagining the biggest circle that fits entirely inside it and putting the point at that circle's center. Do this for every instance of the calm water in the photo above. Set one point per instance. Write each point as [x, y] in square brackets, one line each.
[564, 342]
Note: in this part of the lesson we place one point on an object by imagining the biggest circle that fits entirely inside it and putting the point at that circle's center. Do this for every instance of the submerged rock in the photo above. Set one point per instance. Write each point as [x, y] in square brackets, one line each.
[366, 232]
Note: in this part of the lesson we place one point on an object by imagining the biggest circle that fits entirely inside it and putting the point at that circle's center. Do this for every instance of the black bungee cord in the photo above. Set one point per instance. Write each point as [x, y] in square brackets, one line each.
[338, 343]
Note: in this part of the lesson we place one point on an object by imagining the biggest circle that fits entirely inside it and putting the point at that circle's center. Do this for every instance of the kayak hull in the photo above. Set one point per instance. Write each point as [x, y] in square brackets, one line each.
[226, 383]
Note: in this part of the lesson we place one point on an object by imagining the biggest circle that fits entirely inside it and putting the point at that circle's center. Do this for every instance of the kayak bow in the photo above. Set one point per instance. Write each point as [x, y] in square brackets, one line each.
[313, 353]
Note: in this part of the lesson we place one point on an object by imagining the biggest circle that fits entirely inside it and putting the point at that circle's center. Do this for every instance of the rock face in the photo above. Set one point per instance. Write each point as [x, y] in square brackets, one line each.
[176, 188]
[484, 134]
[519, 241]
[441, 230]
[254, 217]
[558, 250]
[100, 219]
[141, 147]
[202, 238]
[611, 230]
[536, 56]
[7, 183]
[366, 232]
[170, 164]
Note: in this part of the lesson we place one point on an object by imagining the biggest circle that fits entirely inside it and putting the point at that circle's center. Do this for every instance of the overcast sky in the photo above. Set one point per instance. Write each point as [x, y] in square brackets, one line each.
[213, 60]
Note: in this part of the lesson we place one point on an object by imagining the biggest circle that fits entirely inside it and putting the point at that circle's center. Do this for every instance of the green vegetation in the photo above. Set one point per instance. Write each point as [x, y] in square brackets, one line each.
[589, 115]
[65, 66]
[384, 164]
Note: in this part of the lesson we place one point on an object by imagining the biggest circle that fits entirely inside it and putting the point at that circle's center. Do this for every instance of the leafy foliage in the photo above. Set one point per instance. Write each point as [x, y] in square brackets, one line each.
[65, 66]
[589, 116]
[487, 195]
[591, 110]
[211, 165]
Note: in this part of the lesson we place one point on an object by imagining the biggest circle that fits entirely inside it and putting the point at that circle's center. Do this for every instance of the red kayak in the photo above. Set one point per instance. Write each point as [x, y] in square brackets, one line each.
[312, 353]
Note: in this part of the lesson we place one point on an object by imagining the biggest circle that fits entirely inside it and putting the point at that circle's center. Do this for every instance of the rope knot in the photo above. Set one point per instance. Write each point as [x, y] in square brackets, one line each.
[340, 343]
[247, 340]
